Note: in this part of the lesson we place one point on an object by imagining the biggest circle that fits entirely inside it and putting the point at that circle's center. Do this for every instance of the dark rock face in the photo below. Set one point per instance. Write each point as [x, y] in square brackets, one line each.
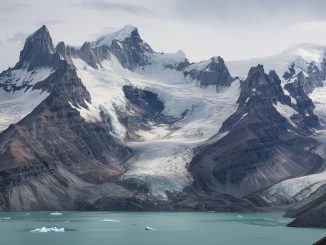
[290, 73]
[92, 56]
[315, 217]
[304, 105]
[132, 51]
[144, 99]
[89, 55]
[315, 77]
[55, 145]
[215, 73]
[323, 67]
[312, 78]
[310, 212]
[38, 51]
[299, 87]
[145, 110]
[260, 147]
[321, 242]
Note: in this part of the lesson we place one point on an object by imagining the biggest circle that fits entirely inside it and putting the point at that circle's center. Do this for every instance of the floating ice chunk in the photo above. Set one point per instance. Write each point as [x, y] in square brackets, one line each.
[5, 218]
[110, 220]
[48, 229]
[55, 214]
[148, 228]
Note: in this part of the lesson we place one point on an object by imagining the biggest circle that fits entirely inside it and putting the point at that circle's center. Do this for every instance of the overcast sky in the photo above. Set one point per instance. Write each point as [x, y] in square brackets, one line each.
[234, 29]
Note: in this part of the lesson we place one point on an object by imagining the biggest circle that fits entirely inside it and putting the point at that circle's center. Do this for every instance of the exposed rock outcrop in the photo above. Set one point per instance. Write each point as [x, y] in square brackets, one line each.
[260, 146]
[38, 51]
[298, 89]
[213, 72]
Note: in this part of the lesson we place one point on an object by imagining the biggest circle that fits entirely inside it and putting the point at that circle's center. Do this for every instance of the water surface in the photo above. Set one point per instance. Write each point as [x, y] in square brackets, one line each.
[123, 228]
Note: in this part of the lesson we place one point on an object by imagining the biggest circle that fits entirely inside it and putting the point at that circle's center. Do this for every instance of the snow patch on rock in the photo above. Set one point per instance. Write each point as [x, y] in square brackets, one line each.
[15, 106]
[119, 35]
[285, 111]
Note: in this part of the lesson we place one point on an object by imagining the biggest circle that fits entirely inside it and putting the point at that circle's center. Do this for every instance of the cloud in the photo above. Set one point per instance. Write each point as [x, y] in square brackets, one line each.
[113, 6]
[242, 12]
[18, 37]
[104, 30]
[309, 26]
[10, 7]
[51, 22]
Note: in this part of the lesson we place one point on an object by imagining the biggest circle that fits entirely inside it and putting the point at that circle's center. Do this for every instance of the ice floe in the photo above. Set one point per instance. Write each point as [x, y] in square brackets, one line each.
[45, 229]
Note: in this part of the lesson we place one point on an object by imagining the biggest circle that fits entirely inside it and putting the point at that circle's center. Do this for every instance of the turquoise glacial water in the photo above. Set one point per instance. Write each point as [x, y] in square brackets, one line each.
[123, 228]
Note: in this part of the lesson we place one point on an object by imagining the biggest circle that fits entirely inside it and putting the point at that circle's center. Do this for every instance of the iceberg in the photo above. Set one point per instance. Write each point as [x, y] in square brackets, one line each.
[48, 229]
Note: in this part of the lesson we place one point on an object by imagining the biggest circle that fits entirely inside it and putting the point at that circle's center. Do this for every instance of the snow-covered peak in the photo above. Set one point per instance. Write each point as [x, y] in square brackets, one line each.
[119, 35]
[301, 55]
[306, 53]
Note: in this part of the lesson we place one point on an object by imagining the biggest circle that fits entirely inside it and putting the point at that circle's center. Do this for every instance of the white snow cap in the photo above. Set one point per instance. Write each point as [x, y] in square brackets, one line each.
[119, 35]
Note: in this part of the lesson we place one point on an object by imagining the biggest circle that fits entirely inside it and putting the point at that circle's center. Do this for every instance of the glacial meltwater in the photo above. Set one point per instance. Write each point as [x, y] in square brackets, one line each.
[124, 228]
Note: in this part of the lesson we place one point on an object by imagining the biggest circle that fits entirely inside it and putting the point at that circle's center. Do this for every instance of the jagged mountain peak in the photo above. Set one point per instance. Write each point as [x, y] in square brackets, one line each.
[42, 31]
[41, 38]
[257, 77]
[262, 86]
[210, 72]
[86, 46]
[37, 49]
[256, 70]
[217, 59]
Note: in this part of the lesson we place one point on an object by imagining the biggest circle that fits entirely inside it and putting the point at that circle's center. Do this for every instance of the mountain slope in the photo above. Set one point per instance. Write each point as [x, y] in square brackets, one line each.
[116, 125]
[74, 144]
[260, 146]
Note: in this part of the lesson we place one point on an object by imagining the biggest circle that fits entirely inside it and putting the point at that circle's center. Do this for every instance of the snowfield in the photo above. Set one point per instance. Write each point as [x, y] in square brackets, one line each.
[301, 55]
[160, 157]
[15, 105]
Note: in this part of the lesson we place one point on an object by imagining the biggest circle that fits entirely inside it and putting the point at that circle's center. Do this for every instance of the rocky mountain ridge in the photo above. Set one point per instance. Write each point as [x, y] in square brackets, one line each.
[118, 126]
